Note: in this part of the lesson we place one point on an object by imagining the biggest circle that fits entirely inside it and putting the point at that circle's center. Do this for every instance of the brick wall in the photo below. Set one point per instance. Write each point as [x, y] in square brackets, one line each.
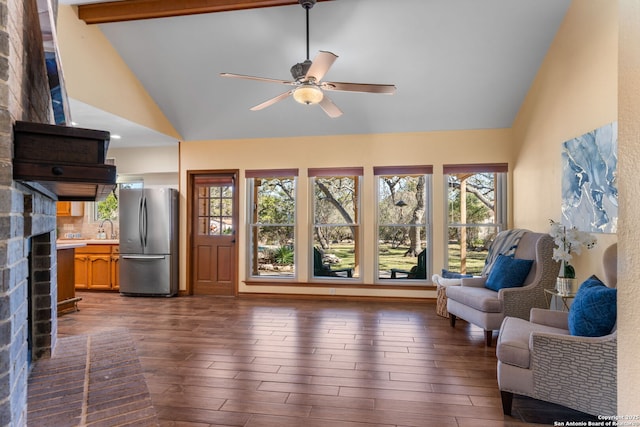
[27, 219]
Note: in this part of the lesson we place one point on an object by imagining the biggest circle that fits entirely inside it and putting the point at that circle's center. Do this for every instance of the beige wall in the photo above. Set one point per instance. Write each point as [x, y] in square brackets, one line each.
[575, 91]
[591, 76]
[96, 75]
[433, 148]
[157, 166]
[629, 246]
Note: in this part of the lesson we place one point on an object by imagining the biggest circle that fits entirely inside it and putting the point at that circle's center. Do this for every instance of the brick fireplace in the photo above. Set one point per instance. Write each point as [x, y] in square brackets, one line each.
[42, 295]
[27, 218]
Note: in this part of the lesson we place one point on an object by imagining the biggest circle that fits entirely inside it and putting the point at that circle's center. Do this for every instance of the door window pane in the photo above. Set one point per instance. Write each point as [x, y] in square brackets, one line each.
[215, 208]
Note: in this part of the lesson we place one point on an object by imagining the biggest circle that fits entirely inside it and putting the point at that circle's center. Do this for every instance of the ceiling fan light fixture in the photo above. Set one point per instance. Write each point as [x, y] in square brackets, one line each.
[308, 94]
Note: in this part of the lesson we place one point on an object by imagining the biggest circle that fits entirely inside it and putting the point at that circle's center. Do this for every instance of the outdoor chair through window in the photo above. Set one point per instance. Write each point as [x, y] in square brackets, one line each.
[320, 268]
[417, 271]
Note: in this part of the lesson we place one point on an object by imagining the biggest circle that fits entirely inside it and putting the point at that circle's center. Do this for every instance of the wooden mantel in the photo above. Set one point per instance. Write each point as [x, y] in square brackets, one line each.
[64, 163]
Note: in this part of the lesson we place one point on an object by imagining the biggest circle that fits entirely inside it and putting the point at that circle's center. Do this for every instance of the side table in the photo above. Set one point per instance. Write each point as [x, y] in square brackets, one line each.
[441, 299]
[550, 293]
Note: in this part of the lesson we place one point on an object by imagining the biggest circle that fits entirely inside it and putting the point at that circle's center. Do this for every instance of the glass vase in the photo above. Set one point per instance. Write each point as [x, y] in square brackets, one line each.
[565, 285]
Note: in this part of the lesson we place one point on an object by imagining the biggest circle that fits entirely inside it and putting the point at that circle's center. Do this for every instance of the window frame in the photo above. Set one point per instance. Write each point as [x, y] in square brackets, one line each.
[250, 177]
[419, 170]
[93, 212]
[355, 172]
[501, 171]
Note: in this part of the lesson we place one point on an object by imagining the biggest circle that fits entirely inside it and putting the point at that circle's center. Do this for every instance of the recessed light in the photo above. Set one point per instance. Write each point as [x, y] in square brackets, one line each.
[114, 136]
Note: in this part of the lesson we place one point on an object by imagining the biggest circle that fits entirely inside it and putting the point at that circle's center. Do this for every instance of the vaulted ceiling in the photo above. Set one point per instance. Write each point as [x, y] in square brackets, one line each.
[457, 64]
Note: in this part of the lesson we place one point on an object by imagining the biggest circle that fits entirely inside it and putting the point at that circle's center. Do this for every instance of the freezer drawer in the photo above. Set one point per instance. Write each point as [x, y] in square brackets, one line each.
[148, 275]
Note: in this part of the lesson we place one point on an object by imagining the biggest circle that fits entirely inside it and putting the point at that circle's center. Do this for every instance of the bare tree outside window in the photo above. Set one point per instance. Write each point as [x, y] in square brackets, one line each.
[335, 226]
[402, 227]
[272, 226]
[475, 210]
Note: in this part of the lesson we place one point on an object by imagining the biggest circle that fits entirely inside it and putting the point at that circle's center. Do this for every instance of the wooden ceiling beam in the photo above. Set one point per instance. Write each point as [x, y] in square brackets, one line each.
[129, 10]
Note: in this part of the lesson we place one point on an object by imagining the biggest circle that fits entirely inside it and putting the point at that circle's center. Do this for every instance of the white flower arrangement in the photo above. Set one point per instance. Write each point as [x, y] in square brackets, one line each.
[569, 241]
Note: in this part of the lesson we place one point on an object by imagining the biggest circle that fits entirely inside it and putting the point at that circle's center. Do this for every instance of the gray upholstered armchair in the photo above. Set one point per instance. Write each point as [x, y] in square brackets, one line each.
[540, 359]
[486, 308]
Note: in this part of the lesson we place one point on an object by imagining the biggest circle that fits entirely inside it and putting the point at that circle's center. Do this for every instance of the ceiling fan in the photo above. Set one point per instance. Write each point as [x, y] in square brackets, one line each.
[307, 81]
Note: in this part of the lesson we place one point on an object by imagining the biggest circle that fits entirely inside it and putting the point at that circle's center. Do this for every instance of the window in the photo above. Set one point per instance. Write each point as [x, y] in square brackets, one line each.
[272, 213]
[476, 212]
[108, 208]
[335, 225]
[403, 222]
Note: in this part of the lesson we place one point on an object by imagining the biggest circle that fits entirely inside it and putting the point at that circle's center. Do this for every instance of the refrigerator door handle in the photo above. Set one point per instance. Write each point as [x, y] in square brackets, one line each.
[140, 220]
[142, 257]
[144, 222]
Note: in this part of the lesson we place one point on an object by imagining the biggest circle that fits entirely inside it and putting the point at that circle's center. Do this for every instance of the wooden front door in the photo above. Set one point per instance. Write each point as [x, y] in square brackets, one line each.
[214, 219]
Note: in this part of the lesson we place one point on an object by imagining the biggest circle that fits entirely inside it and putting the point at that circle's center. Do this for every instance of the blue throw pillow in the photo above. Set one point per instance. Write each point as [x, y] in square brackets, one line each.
[594, 309]
[446, 274]
[508, 272]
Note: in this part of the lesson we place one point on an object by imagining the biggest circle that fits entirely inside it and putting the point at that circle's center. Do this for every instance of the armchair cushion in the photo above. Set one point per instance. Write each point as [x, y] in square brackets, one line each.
[476, 298]
[553, 318]
[473, 282]
[593, 312]
[514, 340]
[508, 272]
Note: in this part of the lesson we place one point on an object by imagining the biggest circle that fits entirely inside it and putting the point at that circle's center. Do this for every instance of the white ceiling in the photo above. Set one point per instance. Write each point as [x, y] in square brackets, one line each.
[457, 64]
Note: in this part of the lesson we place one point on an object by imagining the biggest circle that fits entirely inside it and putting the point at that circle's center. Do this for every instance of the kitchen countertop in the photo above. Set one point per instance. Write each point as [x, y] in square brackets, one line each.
[69, 244]
[85, 242]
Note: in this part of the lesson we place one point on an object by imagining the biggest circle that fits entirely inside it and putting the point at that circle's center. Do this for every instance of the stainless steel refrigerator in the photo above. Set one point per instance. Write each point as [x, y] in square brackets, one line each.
[148, 241]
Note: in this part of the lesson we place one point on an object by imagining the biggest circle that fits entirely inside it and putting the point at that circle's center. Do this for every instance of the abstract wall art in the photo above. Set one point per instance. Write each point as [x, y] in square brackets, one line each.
[589, 180]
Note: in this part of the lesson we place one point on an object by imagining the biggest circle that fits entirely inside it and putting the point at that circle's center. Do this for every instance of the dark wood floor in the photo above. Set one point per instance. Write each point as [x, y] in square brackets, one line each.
[272, 362]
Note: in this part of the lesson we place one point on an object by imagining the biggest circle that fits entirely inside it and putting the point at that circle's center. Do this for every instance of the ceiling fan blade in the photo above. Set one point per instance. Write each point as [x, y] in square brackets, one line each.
[320, 65]
[330, 108]
[271, 101]
[260, 79]
[359, 87]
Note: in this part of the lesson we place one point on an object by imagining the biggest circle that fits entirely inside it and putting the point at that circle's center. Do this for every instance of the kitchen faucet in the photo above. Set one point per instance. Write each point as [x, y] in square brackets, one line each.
[112, 234]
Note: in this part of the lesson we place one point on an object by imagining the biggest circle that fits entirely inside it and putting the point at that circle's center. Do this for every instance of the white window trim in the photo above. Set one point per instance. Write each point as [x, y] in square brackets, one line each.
[249, 183]
[501, 210]
[428, 224]
[358, 224]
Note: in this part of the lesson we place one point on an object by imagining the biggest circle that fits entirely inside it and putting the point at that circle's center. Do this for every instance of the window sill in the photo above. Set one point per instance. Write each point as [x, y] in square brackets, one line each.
[343, 284]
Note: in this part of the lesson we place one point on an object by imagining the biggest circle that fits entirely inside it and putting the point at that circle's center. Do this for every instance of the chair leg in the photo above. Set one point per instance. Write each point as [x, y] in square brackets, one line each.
[507, 401]
[488, 337]
[452, 320]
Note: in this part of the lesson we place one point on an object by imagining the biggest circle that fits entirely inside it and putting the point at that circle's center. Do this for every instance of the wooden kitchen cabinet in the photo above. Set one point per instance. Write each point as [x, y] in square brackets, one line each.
[115, 268]
[100, 272]
[67, 299]
[96, 267]
[63, 208]
[81, 267]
